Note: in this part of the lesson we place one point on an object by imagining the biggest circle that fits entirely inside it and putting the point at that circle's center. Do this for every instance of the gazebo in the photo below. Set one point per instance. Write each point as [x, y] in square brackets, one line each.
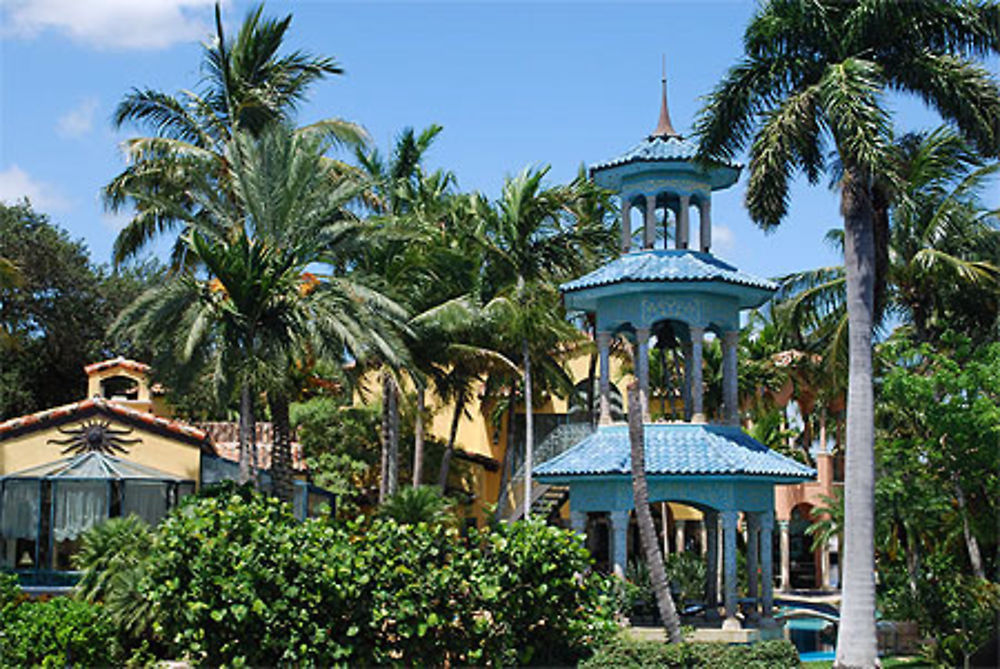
[681, 295]
[44, 509]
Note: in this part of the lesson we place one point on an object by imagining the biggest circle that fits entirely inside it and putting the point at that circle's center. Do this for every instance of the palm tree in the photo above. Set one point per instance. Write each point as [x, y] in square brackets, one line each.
[247, 86]
[258, 300]
[815, 74]
[530, 241]
[647, 531]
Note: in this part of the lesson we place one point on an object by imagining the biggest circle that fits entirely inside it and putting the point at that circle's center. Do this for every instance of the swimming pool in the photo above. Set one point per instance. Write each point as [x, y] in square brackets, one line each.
[812, 637]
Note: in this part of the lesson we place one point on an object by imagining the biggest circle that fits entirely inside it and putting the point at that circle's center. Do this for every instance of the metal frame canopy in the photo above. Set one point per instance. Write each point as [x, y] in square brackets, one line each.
[79, 492]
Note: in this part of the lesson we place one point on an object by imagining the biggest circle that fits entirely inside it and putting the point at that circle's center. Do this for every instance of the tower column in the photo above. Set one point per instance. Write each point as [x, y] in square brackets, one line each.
[786, 564]
[626, 224]
[619, 542]
[642, 367]
[695, 376]
[753, 548]
[686, 383]
[705, 213]
[649, 223]
[711, 520]
[683, 222]
[766, 564]
[730, 377]
[603, 352]
[729, 522]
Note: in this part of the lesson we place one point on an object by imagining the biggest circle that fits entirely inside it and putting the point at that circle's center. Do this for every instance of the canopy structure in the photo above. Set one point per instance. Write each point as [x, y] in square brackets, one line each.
[44, 506]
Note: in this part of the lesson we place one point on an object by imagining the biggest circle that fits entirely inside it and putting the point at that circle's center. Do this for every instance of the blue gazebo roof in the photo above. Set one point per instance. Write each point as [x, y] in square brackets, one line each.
[659, 265]
[678, 449]
[671, 152]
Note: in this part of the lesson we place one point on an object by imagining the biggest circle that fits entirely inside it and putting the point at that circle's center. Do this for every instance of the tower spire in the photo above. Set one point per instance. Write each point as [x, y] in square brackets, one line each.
[664, 128]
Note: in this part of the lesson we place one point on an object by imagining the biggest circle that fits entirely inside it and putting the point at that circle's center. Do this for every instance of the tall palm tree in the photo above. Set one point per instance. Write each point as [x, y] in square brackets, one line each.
[247, 85]
[814, 75]
[647, 531]
[531, 242]
[258, 299]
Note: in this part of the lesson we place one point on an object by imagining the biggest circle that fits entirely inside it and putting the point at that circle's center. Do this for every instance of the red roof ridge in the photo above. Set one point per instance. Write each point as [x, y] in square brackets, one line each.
[119, 361]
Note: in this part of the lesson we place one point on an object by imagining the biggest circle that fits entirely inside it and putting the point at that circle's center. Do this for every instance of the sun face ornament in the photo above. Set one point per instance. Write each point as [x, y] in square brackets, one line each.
[97, 436]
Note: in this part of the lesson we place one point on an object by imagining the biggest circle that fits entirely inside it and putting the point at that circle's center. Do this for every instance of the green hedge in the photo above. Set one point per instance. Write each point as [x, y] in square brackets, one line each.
[233, 579]
[625, 653]
[54, 633]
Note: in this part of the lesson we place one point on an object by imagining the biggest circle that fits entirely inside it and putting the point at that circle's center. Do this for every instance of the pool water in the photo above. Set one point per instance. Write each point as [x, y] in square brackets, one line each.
[807, 635]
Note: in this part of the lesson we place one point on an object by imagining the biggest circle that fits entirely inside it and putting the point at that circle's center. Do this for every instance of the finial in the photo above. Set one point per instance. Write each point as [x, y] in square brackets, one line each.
[664, 128]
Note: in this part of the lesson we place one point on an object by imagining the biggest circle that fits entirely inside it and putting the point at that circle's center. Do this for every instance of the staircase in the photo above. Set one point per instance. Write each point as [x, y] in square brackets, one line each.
[546, 500]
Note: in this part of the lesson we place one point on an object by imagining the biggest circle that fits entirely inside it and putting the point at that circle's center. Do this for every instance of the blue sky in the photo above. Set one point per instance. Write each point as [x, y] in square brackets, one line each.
[513, 84]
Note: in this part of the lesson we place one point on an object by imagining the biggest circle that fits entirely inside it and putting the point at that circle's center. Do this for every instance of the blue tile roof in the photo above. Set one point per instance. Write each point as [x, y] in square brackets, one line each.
[674, 449]
[666, 265]
[655, 149]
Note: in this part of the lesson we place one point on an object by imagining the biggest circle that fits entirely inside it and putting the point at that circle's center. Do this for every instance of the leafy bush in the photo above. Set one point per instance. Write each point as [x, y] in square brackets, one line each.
[56, 633]
[410, 506]
[108, 549]
[234, 579]
[627, 653]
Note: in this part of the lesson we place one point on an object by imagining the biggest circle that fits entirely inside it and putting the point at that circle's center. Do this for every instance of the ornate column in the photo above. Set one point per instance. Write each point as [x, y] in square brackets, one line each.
[578, 522]
[686, 383]
[679, 526]
[786, 565]
[603, 351]
[649, 223]
[697, 391]
[683, 222]
[729, 523]
[665, 525]
[626, 224]
[619, 541]
[711, 519]
[753, 549]
[767, 564]
[642, 363]
[730, 376]
[824, 566]
[705, 212]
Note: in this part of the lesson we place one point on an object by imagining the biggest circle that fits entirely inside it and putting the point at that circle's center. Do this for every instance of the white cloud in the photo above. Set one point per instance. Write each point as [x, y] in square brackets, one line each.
[79, 120]
[723, 239]
[111, 24]
[16, 184]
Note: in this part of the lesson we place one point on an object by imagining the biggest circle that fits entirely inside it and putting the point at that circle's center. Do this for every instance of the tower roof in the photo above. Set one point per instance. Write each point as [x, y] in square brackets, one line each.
[674, 449]
[669, 265]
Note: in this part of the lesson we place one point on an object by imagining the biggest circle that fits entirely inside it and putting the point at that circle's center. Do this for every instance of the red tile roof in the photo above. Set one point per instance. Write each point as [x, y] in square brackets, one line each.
[225, 440]
[140, 367]
[84, 408]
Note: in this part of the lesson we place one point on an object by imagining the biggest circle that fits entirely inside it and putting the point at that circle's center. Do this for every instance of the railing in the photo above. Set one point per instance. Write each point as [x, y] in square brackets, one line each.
[560, 440]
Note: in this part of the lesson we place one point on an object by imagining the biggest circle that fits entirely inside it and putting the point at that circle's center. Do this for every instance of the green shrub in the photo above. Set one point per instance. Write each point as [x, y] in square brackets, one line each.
[56, 633]
[236, 580]
[627, 653]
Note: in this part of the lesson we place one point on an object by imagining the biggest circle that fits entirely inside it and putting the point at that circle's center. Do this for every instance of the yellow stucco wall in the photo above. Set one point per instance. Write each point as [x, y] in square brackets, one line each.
[175, 457]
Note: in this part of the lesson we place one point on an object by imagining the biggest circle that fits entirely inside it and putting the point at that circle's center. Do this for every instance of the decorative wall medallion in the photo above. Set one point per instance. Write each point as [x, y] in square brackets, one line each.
[97, 436]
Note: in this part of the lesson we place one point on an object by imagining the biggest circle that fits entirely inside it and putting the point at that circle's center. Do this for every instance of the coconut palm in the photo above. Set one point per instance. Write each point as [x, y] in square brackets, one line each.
[259, 300]
[247, 85]
[647, 531]
[814, 75]
[530, 242]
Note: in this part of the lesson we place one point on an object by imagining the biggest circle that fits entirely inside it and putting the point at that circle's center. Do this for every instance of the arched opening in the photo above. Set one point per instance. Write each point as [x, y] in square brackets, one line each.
[120, 387]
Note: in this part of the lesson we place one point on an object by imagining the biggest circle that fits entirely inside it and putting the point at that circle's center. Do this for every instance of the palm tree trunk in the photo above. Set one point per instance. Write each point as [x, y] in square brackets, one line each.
[971, 543]
[529, 437]
[246, 430]
[647, 531]
[281, 447]
[418, 436]
[388, 480]
[856, 641]
[508, 457]
[449, 450]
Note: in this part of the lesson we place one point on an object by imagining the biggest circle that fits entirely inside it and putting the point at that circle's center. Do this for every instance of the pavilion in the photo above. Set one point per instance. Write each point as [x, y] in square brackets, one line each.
[680, 294]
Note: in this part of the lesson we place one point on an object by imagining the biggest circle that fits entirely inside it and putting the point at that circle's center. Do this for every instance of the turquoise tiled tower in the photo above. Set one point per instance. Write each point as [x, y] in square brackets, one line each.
[681, 294]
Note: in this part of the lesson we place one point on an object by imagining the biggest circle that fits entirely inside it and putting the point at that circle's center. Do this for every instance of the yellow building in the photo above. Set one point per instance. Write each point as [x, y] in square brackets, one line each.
[116, 453]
